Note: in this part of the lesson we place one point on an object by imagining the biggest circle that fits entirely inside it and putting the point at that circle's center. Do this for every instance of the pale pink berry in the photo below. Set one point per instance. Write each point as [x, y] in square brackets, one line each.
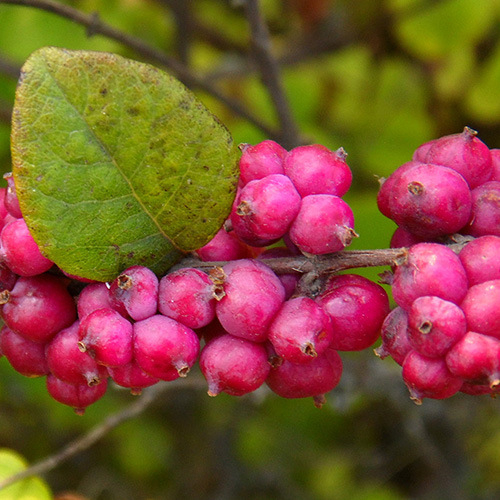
[233, 365]
[94, 296]
[480, 259]
[260, 160]
[394, 333]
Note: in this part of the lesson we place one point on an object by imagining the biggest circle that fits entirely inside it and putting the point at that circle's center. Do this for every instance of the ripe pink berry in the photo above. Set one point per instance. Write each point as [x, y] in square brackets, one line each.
[428, 200]
[480, 259]
[94, 296]
[485, 217]
[429, 269]
[301, 330]
[464, 153]
[394, 333]
[252, 296]
[314, 169]
[68, 363]
[264, 209]
[132, 377]
[481, 307]
[233, 365]
[20, 252]
[313, 379]
[429, 378]
[357, 308]
[24, 355]
[8, 278]
[165, 348]
[107, 337]
[435, 325]
[38, 307]
[11, 202]
[403, 238]
[421, 152]
[222, 247]
[134, 293]
[260, 160]
[78, 396]
[324, 224]
[288, 280]
[495, 160]
[187, 295]
[476, 357]
[479, 389]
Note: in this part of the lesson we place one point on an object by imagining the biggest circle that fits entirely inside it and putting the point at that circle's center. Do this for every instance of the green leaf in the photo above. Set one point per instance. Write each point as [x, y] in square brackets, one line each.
[32, 488]
[116, 163]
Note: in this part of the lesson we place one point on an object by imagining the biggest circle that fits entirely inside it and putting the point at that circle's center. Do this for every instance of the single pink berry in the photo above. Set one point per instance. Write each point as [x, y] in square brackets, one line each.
[495, 160]
[485, 216]
[94, 296]
[288, 280]
[8, 278]
[301, 330]
[315, 169]
[223, 246]
[20, 252]
[394, 333]
[132, 377]
[260, 160]
[233, 365]
[313, 379]
[251, 296]
[187, 295]
[324, 224]
[403, 238]
[106, 336]
[480, 259]
[421, 152]
[165, 348]
[134, 293]
[429, 378]
[11, 201]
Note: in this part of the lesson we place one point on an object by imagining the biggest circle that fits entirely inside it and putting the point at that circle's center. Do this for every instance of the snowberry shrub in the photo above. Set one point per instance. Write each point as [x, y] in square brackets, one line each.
[260, 160]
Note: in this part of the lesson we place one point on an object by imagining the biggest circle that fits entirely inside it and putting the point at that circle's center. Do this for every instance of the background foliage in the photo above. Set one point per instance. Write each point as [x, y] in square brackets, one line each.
[377, 77]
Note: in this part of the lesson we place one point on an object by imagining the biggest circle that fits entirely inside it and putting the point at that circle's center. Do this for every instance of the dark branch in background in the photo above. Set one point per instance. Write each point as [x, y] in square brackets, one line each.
[9, 68]
[97, 27]
[5, 113]
[270, 73]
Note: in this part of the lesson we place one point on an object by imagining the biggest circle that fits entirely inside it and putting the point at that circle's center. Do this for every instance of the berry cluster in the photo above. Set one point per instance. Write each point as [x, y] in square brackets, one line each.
[445, 330]
[245, 325]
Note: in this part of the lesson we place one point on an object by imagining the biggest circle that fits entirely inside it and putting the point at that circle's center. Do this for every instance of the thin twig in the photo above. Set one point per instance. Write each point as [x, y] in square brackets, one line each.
[9, 68]
[270, 73]
[100, 430]
[95, 26]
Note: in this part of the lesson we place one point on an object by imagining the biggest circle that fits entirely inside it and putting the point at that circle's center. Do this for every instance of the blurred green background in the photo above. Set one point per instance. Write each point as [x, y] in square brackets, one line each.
[377, 77]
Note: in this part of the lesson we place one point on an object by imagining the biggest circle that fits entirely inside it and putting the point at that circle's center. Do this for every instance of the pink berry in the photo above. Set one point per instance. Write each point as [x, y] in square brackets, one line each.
[11, 201]
[301, 330]
[107, 337]
[222, 247]
[132, 377]
[357, 308]
[187, 295]
[68, 363]
[315, 169]
[94, 296]
[429, 378]
[134, 293]
[78, 396]
[476, 357]
[24, 355]
[260, 160]
[485, 217]
[288, 280]
[421, 152]
[403, 238]
[429, 269]
[394, 333]
[480, 259]
[264, 209]
[38, 307]
[435, 325]
[165, 348]
[495, 160]
[20, 252]
[252, 296]
[479, 389]
[313, 379]
[233, 365]
[8, 278]
[324, 224]
[464, 153]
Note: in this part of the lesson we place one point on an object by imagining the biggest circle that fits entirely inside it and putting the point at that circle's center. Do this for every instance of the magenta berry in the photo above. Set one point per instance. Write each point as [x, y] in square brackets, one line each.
[265, 208]
[20, 252]
[357, 308]
[403, 238]
[301, 330]
[252, 296]
[480, 259]
[394, 333]
[435, 325]
[165, 348]
[234, 365]
[495, 160]
[465, 153]
[11, 201]
[107, 337]
[260, 160]
[68, 363]
[94, 296]
[24, 355]
[485, 217]
[78, 396]
[38, 307]
[314, 169]
[134, 293]
[429, 269]
[429, 378]
[324, 224]
[288, 280]
[421, 152]
[313, 379]
[223, 246]
[7, 278]
[132, 377]
[187, 295]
